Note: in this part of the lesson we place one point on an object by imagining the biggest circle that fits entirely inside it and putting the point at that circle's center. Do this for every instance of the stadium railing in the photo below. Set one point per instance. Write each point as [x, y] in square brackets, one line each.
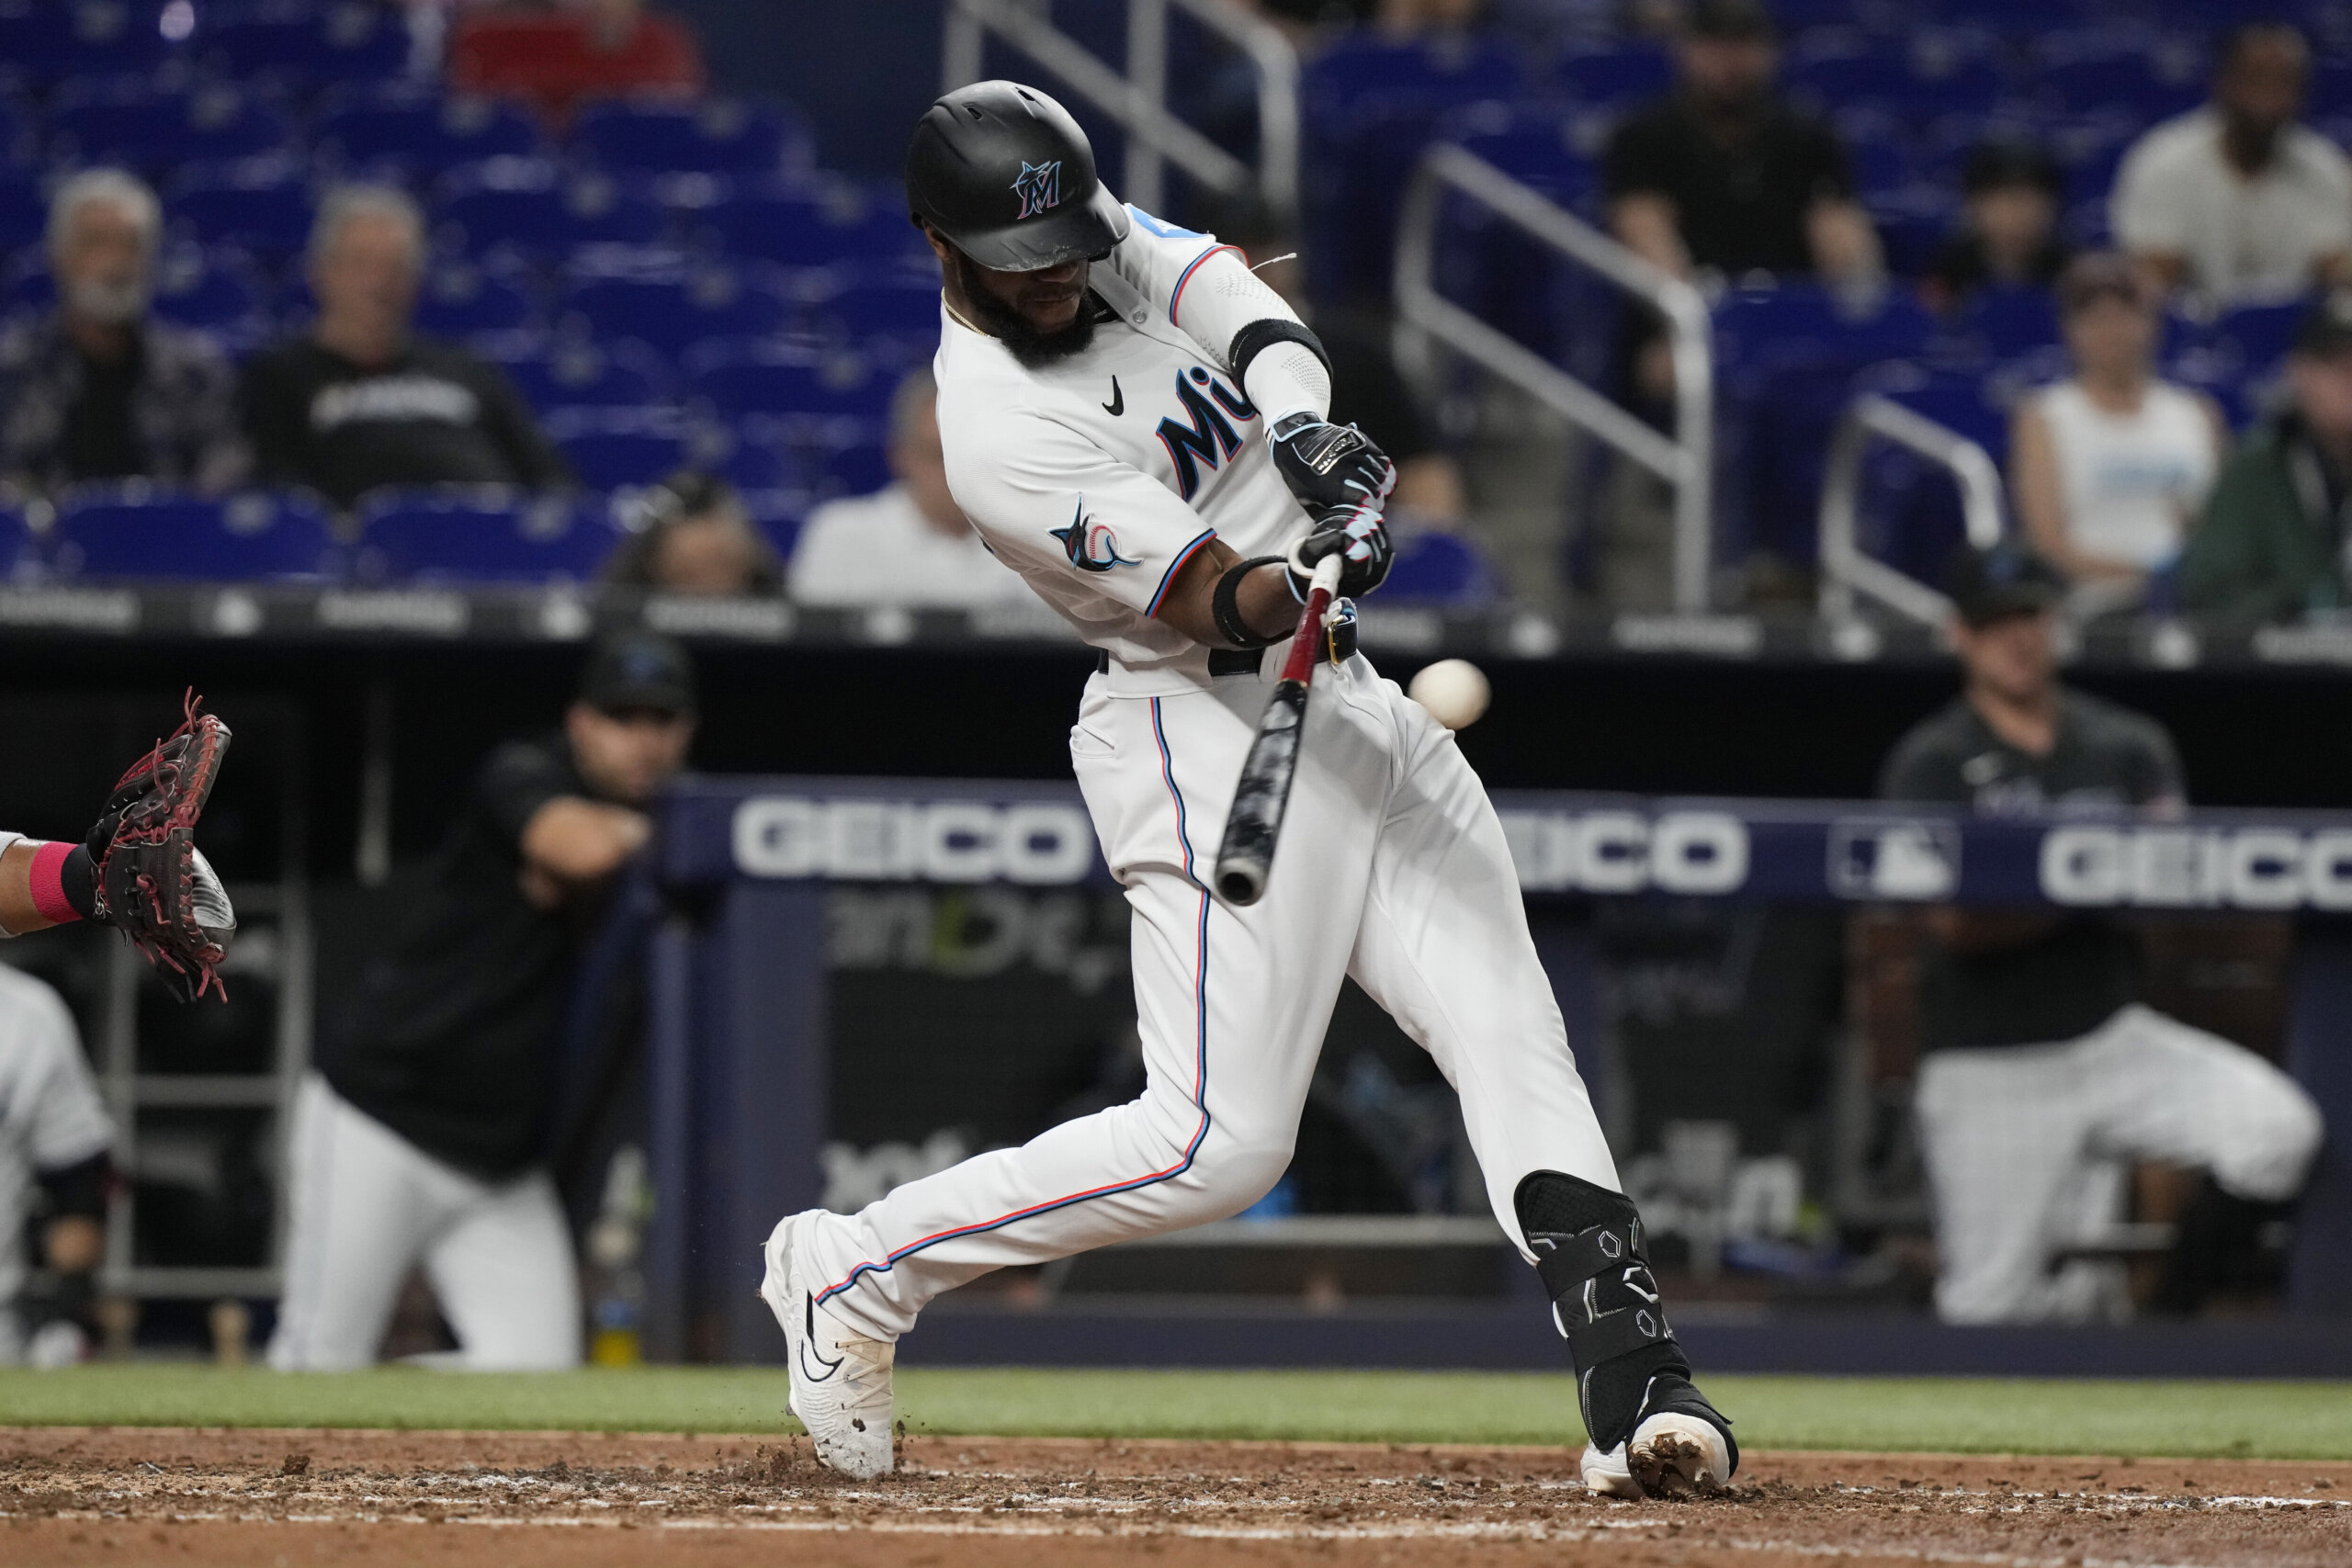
[1845, 570]
[1136, 99]
[1686, 460]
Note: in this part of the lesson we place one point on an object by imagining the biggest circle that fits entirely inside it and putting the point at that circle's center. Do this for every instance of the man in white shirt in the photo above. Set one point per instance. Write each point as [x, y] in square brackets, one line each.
[53, 1134]
[907, 544]
[2236, 199]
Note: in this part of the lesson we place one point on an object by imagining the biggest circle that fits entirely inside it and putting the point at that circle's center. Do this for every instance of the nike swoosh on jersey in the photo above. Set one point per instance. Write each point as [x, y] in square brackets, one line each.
[1118, 403]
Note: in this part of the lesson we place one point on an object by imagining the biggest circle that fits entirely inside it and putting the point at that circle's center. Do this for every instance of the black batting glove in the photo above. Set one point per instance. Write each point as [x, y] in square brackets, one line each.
[1358, 536]
[1330, 465]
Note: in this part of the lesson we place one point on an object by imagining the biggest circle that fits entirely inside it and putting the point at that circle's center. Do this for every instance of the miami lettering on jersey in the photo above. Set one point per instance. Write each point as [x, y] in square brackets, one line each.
[1092, 546]
[1206, 436]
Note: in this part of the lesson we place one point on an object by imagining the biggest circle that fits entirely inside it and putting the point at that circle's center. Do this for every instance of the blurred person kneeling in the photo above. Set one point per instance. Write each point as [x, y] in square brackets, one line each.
[696, 538]
[2109, 465]
[97, 388]
[418, 1139]
[2043, 1072]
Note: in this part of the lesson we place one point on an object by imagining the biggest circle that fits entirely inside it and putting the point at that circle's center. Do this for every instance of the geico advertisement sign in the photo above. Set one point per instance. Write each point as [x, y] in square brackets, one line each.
[2246, 868]
[903, 840]
[1624, 851]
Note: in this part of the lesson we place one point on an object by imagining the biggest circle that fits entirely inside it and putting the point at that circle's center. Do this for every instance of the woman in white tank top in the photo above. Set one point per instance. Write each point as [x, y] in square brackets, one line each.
[2110, 465]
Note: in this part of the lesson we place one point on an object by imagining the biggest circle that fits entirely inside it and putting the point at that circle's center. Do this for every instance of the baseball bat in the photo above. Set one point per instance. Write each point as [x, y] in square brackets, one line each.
[1246, 857]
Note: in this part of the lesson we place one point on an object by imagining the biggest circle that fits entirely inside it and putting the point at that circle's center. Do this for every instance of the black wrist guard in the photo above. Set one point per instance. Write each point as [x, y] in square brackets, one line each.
[1225, 605]
[78, 879]
[1258, 336]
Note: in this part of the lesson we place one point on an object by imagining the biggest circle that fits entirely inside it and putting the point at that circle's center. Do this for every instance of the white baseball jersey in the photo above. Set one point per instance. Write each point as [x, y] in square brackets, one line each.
[1096, 477]
[51, 1116]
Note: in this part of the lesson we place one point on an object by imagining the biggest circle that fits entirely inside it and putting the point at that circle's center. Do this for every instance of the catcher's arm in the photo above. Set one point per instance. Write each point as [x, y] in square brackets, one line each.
[138, 870]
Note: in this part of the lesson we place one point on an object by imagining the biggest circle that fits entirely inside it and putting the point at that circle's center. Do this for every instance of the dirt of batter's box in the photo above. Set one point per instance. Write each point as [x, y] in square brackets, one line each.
[76, 1495]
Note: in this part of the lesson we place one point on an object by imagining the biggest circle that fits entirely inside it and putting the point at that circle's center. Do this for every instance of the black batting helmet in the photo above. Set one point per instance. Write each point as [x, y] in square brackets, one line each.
[1004, 173]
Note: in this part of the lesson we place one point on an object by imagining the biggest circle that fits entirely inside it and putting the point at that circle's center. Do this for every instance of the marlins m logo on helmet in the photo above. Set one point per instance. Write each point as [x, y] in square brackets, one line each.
[1039, 189]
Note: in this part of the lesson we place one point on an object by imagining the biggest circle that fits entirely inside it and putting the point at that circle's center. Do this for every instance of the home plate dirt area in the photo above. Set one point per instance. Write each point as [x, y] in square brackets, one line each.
[278, 1499]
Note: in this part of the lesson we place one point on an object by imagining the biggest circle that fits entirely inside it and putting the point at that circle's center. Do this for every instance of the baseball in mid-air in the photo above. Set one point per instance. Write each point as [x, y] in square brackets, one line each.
[1453, 689]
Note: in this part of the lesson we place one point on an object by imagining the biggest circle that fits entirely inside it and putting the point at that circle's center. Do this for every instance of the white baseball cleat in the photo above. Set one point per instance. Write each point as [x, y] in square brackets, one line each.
[841, 1382]
[1673, 1454]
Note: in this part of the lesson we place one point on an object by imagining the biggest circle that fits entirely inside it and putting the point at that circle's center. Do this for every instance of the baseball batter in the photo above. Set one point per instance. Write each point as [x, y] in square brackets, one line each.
[1135, 425]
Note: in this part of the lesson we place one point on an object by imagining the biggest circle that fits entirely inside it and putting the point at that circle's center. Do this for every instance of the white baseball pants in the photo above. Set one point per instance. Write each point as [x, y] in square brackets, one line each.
[2025, 1146]
[368, 1205]
[1392, 868]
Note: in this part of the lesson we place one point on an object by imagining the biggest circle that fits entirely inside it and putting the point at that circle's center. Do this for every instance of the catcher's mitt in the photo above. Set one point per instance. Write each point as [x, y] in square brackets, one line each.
[147, 878]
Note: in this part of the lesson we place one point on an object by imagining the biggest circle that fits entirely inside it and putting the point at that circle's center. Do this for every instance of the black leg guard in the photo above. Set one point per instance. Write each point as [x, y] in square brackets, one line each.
[1589, 1251]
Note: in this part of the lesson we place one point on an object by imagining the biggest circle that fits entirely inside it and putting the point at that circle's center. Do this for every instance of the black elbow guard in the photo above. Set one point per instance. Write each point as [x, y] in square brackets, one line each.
[78, 1190]
[1258, 336]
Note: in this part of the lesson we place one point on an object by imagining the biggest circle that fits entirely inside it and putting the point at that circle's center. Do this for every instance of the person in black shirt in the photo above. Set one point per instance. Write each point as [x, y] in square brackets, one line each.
[419, 1137]
[361, 403]
[2008, 233]
[2042, 1070]
[1721, 175]
[97, 388]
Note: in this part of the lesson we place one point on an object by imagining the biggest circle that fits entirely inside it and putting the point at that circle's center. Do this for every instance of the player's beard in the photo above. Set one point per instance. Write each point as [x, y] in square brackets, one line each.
[1033, 348]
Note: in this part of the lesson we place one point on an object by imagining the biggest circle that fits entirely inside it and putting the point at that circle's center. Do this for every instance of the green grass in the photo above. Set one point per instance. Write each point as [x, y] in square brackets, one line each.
[2282, 1420]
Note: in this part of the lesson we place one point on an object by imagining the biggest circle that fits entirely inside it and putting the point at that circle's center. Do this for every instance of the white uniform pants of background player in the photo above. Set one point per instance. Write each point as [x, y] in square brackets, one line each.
[1392, 868]
[2027, 1148]
[370, 1206]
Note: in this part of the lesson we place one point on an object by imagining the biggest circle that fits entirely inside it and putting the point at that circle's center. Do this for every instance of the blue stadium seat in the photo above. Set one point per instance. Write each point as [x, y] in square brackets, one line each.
[795, 224]
[613, 447]
[16, 542]
[1530, 141]
[670, 306]
[2009, 321]
[778, 513]
[534, 208]
[47, 42]
[460, 298]
[850, 464]
[220, 292]
[1614, 76]
[482, 535]
[304, 47]
[262, 205]
[721, 137]
[132, 532]
[575, 372]
[2126, 80]
[1440, 569]
[871, 314]
[113, 122]
[418, 132]
[765, 378]
[748, 464]
[24, 211]
[2259, 335]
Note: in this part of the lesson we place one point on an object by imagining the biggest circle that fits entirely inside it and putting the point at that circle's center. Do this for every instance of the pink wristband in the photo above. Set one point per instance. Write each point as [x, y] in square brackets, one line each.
[49, 885]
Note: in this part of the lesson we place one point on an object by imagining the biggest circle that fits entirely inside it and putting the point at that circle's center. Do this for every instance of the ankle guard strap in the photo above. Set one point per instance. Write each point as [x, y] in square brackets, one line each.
[1605, 1301]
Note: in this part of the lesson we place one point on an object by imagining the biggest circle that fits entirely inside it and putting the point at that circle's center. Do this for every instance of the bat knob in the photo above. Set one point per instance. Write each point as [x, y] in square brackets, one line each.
[1242, 880]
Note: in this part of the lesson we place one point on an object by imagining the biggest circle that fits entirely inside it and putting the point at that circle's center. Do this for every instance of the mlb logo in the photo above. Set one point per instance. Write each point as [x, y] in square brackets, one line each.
[1912, 861]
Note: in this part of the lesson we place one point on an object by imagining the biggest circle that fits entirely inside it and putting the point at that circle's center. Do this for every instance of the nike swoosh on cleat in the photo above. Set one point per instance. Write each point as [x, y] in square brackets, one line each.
[809, 1310]
[1118, 403]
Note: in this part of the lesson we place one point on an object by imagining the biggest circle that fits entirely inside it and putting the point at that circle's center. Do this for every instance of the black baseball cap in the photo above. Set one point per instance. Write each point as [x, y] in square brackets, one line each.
[2003, 164]
[639, 671]
[1989, 585]
[1746, 21]
[2325, 330]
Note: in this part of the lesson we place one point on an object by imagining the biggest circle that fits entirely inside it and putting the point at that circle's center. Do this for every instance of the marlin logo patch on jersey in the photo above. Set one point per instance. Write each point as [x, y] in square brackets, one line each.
[1209, 437]
[1039, 189]
[1092, 546]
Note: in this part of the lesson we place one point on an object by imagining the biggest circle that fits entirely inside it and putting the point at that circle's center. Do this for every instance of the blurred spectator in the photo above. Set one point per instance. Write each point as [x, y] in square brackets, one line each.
[907, 544]
[2237, 199]
[1420, 19]
[697, 539]
[361, 403]
[97, 388]
[54, 1138]
[2110, 465]
[1723, 175]
[2271, 544]
[418, 1139]
[1366, 389]
[2009, 232]
[559, 59]
[2041, 1071]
